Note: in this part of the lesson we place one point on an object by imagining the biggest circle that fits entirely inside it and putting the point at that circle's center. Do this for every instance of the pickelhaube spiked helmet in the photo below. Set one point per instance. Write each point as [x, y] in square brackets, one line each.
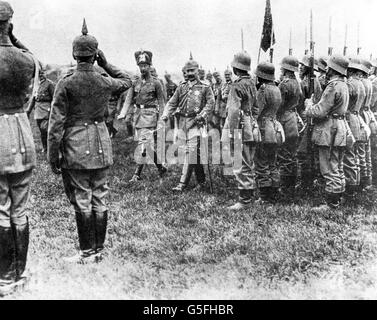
[266, 70]
[191, 63]
[290, 63]
[6, 11]
[241, 61]
[143, 56]
[84, 45]
[338, 63]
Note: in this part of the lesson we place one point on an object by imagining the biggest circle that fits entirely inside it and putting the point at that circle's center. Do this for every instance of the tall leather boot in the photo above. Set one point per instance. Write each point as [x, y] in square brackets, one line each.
[161, 168]
[101, 219]
[185, 178]
[244, 201]
[87, 239]
[22, 245]
[8, 270]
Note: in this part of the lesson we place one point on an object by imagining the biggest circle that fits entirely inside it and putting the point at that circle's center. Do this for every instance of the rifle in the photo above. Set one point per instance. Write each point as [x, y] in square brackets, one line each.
[345, 42]
[358, 39]
[290, 51]
[329, 53]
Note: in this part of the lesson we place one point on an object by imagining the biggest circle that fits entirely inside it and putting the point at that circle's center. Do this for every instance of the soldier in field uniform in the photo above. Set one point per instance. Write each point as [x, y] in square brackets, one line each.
[148, 96]
[42, 105]
[79, 144]
[330, 130]
[192, 102]
[220, 112]
[17, 157]
[170, 89]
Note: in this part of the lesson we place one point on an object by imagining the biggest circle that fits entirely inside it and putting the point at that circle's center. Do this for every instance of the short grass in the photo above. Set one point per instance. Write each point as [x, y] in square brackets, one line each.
[162, 245]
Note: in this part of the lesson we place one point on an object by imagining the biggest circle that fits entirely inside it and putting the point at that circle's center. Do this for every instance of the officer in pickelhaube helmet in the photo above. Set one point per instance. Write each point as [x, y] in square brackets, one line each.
[290, 93]
[192, 103]
[17, 156]
[79, 144]
[147, 92]
[241, 107]
[330, 130]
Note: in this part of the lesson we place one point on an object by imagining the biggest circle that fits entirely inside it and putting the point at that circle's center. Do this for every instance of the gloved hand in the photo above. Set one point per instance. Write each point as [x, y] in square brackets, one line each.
[101, 59]
[55, 167]
[309, 102]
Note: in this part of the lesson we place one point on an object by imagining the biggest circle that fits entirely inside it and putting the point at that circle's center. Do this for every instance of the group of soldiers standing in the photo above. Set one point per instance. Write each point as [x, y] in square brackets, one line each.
[294, 132]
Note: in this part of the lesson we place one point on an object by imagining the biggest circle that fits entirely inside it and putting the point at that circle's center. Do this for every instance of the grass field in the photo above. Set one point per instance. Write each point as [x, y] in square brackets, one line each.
[162, 245]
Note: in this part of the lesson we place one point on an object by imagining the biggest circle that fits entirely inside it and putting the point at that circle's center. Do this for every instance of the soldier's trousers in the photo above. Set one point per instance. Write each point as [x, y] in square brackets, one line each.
[43, 128]
[14, 197]
[373, 146]
[192, 162]
[287, 159]
[245, 175]
[364, 152]
[331, 166]
[86, 189]
[267, 171]
[351, 166]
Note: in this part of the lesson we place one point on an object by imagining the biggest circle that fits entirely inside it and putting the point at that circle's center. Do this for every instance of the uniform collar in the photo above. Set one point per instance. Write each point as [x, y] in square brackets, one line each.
[337, 78]
[85, 66]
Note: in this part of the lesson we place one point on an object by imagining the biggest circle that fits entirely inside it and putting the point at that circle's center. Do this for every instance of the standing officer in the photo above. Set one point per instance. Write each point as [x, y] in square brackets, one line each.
[42, 103]
[216, 87]
[17, 157]
[192, 102]
[287, 115]
[79, 144]
[354, 159]
[330, 131]
[170, 89]
[268, 101]
[306, 154]
[222, 99]
[148, 94]
[241, 104]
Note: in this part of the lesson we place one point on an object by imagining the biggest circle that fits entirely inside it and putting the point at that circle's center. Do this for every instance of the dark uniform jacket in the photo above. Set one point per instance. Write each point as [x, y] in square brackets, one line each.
[291, 95]
[241, 106]
[189, 100]
[77, 126]
[17, 149]
[43, 99]
[269, 101]
[148, 98]
[329, 113]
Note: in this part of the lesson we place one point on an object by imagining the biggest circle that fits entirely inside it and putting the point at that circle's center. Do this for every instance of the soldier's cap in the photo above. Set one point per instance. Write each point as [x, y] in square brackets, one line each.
[306, 62]
[266, 71]
[355, 63]
[322, 64]
[143, 56]
[290, 63]
[6, 11]
[191, 64]
[338, 63]
[366, 66]
[242, 61]
[85, 45]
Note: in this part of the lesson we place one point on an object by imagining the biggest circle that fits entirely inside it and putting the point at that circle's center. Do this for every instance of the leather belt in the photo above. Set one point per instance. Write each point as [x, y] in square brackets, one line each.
[81, 122]
[143, 106]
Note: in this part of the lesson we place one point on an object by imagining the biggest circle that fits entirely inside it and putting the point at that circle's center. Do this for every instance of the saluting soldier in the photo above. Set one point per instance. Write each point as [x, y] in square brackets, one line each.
[268, 102]
[330, 130]
[147, 93]
[222, 99]
[287, 115]
[192, 103]
[42, 104]
[17, 157]
[241, 105]
[79, 145]
[306, 154]
[354, 158]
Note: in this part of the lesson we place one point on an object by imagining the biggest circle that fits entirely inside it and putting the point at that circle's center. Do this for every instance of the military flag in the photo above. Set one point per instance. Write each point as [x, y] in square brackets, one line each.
[268, 35]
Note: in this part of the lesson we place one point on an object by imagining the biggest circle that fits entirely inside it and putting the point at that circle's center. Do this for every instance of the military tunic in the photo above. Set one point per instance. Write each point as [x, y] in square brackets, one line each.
[354, 160]
[17, 149]
[287, 115]
[269, 101]
[241, 103]
[330, 133]
[191, 99]
[78, 132]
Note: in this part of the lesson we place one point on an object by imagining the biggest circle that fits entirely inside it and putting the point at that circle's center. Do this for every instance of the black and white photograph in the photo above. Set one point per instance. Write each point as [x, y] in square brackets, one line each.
[188, 150]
